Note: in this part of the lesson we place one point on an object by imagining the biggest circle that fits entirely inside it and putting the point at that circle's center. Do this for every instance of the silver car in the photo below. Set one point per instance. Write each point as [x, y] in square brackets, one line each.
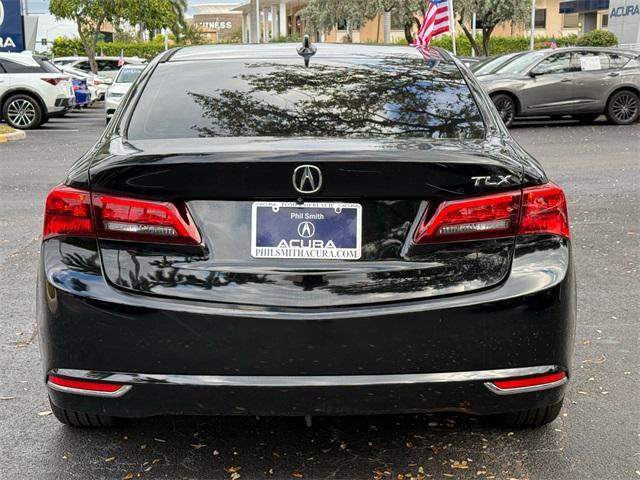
[578, 81]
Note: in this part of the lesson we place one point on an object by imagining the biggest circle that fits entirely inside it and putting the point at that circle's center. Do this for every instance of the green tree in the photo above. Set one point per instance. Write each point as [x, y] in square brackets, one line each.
[489, 13]
[326, 14]
[91, 15]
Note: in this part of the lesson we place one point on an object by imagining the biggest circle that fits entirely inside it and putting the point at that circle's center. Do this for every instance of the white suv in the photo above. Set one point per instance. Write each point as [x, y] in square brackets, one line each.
[108, 67]
[32, 90]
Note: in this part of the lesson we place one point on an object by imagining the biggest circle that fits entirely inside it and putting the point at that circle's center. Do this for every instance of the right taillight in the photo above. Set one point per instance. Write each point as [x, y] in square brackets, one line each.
[535, 210]
[544, 211]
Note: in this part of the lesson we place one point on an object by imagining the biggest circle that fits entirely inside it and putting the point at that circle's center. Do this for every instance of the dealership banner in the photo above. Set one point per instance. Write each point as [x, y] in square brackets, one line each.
[11, 26]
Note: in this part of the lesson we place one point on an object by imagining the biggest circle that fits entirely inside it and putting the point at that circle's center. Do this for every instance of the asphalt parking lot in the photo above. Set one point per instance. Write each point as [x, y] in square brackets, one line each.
[596, 437]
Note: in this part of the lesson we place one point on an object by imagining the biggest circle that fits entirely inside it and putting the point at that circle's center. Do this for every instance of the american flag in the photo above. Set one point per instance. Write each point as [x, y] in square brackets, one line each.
[435, 22]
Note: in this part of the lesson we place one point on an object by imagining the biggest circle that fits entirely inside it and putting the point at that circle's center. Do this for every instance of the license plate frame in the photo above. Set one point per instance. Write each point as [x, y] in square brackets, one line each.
[298, 244]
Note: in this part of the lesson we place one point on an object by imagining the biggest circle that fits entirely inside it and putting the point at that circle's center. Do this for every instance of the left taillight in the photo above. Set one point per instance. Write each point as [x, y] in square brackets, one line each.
[121, 218]
[67, 212]
[80, 213]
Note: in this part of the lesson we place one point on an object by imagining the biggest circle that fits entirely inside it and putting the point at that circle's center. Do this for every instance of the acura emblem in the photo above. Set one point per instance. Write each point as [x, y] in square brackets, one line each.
[306, 230]
[307, 179]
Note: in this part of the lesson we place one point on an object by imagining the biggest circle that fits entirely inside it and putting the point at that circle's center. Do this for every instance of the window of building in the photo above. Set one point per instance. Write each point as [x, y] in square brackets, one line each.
[605, 20]
[342, 25]
[541, 18]
[570, 20]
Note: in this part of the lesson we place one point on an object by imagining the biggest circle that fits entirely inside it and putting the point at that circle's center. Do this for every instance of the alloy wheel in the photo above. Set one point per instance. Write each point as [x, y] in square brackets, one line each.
[506, 109]
[624, 107]
[21, 112]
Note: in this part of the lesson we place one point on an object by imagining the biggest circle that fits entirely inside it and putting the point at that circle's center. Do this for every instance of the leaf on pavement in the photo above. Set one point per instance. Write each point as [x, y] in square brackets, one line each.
[110, 459]
[45, 413]
[198, 446]
[461, 465]
[128, 476]
[10, 397]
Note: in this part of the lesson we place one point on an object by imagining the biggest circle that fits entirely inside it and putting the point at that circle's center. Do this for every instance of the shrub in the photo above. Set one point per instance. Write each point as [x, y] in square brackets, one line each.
[501, 45]
[65, 47]
[597, 38]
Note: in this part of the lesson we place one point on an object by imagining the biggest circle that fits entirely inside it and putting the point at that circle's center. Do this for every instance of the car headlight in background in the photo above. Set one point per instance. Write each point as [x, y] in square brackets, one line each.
[114, 95]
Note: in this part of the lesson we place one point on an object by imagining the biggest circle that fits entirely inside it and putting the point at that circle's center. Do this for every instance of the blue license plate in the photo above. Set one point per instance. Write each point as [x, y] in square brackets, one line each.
[314, 231]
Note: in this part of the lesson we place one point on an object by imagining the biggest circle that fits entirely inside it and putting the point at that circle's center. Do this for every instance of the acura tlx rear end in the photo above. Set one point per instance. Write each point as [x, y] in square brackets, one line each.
[255, 236]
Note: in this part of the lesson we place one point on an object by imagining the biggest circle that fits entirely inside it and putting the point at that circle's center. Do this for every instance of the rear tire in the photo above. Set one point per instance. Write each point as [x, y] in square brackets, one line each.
[623, 108]
[506, 107]
[22, 111]
[79, 419]
[532, 418]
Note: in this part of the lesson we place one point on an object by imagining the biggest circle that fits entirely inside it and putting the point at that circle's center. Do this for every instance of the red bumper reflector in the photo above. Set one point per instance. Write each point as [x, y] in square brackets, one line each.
[530, 381]
[85, 385]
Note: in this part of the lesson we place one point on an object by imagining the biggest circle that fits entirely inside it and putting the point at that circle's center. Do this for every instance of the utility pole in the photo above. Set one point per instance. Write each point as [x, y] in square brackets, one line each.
[452, 27]
[473, 33]
[533, 25]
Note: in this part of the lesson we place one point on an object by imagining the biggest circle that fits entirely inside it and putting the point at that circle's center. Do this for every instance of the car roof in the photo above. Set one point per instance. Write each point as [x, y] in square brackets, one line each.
[358, 53]
[23, 58]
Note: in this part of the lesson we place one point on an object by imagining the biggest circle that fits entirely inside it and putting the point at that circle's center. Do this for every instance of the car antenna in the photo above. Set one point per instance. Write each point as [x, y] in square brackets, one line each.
[306, 50]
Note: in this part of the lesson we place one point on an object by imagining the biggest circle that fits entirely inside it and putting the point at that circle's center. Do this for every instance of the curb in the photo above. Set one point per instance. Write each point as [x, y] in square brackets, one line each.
[15, 135]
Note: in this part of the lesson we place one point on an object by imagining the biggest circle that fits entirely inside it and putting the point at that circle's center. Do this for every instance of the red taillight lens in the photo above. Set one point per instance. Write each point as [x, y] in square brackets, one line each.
[530, 381]
[538, 210]
[544, 211]
[67, 212]
[122, 218]
[492, 216]
[54, 81]
[85, 385]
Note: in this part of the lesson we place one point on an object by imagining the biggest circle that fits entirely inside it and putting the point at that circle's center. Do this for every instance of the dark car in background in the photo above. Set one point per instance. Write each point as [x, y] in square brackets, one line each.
[578, 81]
[251, 236]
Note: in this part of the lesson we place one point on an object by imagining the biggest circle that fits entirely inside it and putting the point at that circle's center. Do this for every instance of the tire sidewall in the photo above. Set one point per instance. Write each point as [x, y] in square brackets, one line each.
[38, 118]
[612, 117]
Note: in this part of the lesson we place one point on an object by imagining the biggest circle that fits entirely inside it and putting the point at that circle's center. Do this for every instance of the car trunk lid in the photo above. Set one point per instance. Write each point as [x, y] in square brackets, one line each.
[391, 183]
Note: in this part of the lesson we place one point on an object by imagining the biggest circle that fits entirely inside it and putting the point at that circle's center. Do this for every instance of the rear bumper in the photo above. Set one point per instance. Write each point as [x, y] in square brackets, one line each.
[183, 357]
[147, 395]
[61, 106]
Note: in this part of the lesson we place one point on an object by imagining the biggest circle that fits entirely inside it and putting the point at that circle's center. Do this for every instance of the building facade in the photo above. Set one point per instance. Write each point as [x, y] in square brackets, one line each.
[266, 20]
[219, 22]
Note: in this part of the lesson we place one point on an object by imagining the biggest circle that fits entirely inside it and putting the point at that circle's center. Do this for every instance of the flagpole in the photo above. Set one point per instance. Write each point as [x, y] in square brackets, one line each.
[452, 27]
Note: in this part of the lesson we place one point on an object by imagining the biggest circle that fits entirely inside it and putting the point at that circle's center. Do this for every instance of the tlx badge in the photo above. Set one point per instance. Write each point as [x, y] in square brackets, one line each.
[492, 181]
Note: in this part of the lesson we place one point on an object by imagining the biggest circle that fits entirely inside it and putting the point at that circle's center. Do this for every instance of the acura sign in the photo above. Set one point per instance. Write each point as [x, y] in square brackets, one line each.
[11, 26]
[624, 21]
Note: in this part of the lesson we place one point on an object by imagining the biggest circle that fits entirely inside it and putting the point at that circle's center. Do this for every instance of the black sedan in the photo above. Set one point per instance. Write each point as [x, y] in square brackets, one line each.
[257, 236]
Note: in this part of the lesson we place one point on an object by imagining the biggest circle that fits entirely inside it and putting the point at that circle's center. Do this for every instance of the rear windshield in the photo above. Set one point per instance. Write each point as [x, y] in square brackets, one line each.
[128, 75]
[395, 97]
